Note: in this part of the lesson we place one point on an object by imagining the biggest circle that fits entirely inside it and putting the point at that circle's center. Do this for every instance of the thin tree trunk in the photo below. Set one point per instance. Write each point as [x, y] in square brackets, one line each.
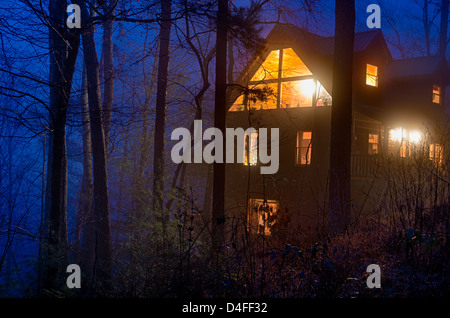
[443, 28]
[84, 232]
[341, 118]
[218, 204]
[108, 72]
[160, 119]
[62, 65]
[426, 25]
[103, 247]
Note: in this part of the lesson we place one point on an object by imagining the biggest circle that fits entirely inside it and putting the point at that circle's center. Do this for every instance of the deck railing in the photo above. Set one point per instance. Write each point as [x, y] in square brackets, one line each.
[363, 166]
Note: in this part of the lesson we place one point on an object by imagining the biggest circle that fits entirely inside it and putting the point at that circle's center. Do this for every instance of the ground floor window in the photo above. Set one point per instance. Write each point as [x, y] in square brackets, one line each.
[262, 216]
[437, 154]
[251, 149]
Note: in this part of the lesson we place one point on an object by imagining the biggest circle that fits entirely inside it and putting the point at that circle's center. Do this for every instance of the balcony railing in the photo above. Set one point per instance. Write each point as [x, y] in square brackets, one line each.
[363, 166]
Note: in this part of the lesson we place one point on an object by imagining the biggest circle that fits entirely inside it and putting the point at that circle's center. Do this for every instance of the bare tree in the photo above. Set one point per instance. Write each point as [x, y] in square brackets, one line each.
[161, 103]
[341, 116]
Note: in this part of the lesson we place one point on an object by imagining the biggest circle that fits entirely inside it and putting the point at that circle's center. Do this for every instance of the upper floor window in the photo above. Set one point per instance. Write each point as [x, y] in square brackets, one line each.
[436, 94]
[372, 75]
[304, 146]
[286, 82]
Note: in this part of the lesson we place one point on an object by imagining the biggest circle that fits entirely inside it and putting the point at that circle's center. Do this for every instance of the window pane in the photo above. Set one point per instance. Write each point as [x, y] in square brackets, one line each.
[436, 94]
[304, 146]
[293, 65]
[262, 217]
[238, 104]
[271, 99]
[372, 75]
[372, 70]
[251, 149]
[323, 98]
[437, 154]
[269, 68]
[373, 144]
[297, 93]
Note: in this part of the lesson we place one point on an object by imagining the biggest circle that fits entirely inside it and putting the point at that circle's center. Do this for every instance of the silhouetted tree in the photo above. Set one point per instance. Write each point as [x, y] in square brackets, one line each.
[341, 116]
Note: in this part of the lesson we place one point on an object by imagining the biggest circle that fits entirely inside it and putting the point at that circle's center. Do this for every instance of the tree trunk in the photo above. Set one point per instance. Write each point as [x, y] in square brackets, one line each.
[426, 26]
[103, 248]
[341, 118]
[160, 119]
[108, 72]
[443, 28]
[54, 256]
[84, 231]
[218, 204]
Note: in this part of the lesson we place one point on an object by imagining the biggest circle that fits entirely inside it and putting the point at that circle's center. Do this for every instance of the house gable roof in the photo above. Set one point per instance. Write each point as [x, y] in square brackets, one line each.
[418, 66]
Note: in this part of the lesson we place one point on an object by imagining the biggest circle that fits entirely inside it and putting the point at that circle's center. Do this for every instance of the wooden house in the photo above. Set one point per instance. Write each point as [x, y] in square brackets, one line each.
[396, 104]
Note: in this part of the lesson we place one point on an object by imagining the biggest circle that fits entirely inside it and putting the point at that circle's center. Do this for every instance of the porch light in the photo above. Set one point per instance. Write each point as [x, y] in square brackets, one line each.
[397, 134]
[415, 136]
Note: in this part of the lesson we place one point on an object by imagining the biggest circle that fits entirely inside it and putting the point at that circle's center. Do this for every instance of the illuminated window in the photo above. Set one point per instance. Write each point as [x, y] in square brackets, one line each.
[405, 149]
[293, 65]
[403, 142]
[269, 68]
[262, 216]
[304, 146]
[436, 94]
[286, 82]
[238, 105]
[373, 144]
[437, 154]
[297, 93]
[372, 75]
[397, 142]
[270, 101]
[251, 149]
[323, 98]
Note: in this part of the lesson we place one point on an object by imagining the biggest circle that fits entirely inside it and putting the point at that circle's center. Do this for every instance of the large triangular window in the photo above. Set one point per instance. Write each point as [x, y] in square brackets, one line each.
[287, 83]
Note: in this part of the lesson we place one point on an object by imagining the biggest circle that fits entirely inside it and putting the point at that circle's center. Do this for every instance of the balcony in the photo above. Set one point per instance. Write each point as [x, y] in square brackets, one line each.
[363, 166]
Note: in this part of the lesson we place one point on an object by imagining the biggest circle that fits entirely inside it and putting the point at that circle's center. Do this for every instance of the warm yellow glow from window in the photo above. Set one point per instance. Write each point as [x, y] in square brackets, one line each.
[262, 217]
[304, 146]
[372, 75]
[238, 104]
[251, 149]
[293, 65]
[437, 154]
[269, 68]
[415, 136]
[323, 97]
[297, 93]
[436, 94]
[373, 144]
[271, 99]
[396, 134]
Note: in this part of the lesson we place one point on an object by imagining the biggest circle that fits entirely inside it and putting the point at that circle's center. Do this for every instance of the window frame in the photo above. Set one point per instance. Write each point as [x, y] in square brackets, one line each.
[377, 135]
[439, 94]
[251, 217]
[374, 77]
[279, 81]
[298, 149]
[248, 149]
